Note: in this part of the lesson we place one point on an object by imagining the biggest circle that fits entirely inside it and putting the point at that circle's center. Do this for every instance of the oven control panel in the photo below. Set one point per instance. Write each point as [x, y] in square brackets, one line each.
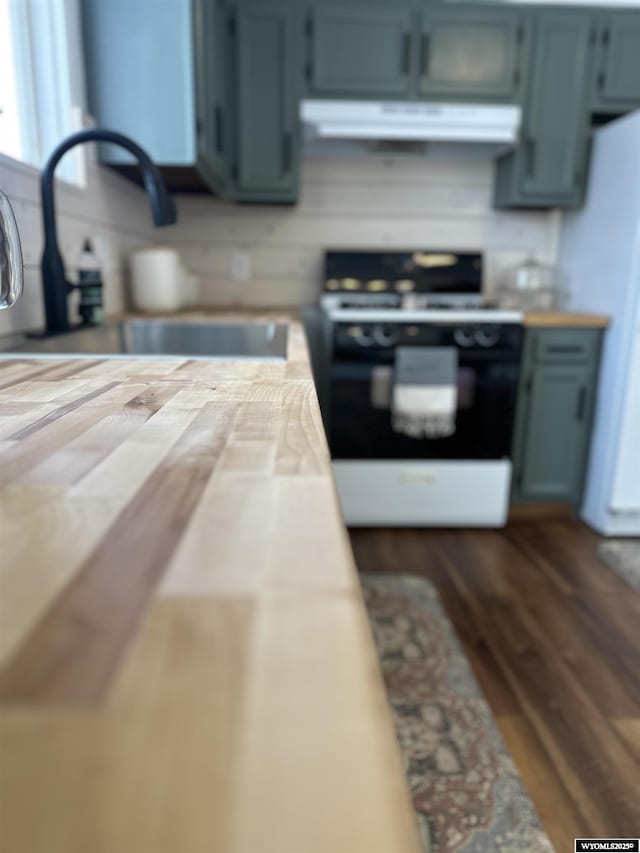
[350, 337]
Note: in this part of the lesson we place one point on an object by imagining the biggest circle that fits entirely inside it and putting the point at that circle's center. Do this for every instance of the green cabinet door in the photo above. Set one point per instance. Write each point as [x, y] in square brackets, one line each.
[470, 52]
[267, 74]
[617, 77]
[214, 119]
[359, 50]
[549, 166]
[557, 433]
[554, 414]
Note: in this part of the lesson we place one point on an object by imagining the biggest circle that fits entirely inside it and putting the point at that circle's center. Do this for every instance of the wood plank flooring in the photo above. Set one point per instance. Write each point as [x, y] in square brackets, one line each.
[553, 636]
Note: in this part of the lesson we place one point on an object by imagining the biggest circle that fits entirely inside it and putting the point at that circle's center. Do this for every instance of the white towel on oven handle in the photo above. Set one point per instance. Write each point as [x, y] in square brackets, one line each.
[425, 393]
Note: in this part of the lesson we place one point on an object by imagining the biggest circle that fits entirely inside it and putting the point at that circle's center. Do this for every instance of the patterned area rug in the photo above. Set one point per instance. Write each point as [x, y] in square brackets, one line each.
[466, 790]
[623, 556]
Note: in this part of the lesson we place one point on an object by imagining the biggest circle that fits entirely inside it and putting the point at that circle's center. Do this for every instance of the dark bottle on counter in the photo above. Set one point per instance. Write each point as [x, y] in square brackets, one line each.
[90, 286]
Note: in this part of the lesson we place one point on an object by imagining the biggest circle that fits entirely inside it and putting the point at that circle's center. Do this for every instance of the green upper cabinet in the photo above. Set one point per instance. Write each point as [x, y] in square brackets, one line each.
[357, 50]
[548, 167]
[211, 88]
[135, 84]
[267, 73]
[214, 117]
[471, 52]
[617, 63]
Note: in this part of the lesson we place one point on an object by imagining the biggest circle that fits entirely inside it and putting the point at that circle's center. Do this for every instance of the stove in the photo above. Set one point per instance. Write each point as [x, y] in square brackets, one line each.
[419, 285]
[375, 303]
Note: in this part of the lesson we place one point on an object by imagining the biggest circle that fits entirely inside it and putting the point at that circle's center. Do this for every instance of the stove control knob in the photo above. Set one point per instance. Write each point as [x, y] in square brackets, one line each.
[362, 335]
[464, 337]
[385, 335]
[487, 336]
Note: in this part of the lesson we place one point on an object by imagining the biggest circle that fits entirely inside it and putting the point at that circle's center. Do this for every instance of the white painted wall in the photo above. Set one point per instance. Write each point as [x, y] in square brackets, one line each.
[111, 211]
[350, 199]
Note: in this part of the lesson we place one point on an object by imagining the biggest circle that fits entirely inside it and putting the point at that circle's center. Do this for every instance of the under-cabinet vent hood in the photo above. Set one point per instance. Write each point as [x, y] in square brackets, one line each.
[405, 120]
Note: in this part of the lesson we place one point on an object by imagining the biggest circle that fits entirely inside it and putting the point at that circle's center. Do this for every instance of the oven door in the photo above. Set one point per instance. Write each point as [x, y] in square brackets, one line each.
[360, 424]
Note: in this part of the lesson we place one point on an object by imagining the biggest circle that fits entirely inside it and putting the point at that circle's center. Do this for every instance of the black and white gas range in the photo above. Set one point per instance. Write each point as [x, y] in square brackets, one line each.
[373, 304]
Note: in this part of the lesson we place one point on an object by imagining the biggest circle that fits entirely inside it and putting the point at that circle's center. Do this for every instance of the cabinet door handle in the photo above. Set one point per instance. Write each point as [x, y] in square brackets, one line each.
[581, 404]
[424, 55]
[406, 52]
[219, 129]
[287, 142]
[530, 154]
[602, 76]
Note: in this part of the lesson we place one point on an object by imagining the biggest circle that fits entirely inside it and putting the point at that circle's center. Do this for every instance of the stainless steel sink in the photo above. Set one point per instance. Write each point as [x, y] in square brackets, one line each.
[158, 338]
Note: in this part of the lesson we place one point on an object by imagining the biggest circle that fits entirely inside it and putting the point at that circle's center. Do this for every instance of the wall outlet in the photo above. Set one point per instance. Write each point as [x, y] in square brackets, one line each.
[240, 266]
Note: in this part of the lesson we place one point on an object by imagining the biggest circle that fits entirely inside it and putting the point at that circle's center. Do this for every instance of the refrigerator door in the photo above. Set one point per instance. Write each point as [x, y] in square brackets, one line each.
[625, 497]
[600, 254]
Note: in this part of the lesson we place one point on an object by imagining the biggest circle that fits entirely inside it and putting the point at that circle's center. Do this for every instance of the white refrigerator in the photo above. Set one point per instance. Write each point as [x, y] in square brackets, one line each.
[600, 255]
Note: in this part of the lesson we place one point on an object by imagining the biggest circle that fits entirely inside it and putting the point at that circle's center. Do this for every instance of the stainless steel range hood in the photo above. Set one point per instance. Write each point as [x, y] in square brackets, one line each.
[406, 120]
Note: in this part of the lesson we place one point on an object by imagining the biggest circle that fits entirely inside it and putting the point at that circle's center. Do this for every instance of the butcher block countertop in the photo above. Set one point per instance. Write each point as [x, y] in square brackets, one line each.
[565, 319]
[186, 664]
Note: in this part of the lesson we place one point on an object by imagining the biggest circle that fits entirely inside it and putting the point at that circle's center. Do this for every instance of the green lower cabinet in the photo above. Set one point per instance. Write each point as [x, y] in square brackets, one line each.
[554, 414]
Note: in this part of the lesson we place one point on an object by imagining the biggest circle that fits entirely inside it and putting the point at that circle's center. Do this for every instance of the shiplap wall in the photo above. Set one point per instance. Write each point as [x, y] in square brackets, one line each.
[349, 199]
[110, 210]
[356, 199]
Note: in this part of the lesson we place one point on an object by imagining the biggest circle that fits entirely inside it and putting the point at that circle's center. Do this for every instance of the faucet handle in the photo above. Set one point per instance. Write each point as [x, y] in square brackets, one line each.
[10, 255]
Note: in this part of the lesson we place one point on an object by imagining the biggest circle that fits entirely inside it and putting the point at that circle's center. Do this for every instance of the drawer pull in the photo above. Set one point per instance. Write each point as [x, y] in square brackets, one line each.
[565, 349]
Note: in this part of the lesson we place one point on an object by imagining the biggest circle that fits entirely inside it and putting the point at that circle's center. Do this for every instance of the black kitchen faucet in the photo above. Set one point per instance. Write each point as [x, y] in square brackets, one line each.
[55, 286]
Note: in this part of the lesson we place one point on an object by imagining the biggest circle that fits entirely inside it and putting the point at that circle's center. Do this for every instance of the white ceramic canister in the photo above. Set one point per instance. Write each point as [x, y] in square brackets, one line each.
[157, 279]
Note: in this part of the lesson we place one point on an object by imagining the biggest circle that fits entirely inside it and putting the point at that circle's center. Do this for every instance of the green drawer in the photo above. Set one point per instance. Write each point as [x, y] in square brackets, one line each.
[565, 346]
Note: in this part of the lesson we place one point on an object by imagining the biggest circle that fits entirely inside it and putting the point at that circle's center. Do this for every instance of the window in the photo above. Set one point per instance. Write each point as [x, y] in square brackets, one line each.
[42, 92]
[10, 140]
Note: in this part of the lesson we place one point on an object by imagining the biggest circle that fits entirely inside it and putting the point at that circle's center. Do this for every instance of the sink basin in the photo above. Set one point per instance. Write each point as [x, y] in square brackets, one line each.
[158, 338]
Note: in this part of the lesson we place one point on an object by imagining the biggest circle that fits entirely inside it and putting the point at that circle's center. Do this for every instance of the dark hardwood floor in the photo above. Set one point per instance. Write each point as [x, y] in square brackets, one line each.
[553, 636]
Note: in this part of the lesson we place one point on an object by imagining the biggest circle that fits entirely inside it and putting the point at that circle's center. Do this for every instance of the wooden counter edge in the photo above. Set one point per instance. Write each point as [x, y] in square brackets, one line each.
[565, 319]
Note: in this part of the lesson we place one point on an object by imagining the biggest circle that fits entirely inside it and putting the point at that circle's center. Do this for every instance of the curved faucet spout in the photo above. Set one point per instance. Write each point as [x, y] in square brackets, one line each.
[55, 286]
